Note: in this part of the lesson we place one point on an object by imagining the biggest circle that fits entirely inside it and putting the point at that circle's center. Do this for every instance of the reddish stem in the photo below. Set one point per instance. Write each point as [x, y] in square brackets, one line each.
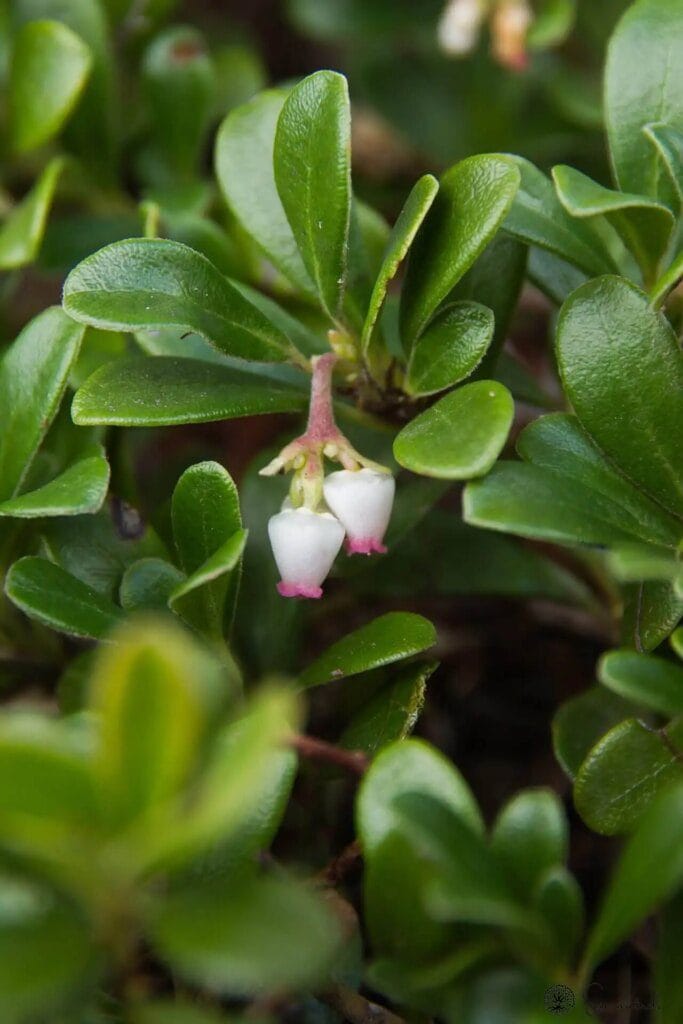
[354, 761]
[321, 425]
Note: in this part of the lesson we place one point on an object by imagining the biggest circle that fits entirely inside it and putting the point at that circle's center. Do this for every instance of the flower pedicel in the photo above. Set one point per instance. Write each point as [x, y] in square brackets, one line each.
[307, 534]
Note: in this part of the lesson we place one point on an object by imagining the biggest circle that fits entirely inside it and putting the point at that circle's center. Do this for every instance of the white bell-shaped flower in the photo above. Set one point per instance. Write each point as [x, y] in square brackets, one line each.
[361, 500]
[305, 544]
[459, 26]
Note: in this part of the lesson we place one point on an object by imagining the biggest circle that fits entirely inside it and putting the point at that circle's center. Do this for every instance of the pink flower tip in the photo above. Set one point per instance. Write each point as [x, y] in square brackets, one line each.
[364, 546]
[298, 590]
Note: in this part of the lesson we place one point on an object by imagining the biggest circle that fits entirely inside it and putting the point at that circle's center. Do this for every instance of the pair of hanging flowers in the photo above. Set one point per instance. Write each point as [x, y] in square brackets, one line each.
[509, 21]
[353, 503]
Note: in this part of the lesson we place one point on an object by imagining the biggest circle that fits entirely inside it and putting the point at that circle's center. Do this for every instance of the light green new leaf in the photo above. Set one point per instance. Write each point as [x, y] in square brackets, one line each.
[207, 529]
[402, 235]
[244, 168]
[644, 679]
[669, 145]
[57, 599]
[21, 235]
[538, 218]
[264, 935]
[50, 66]
[390, 714]
[409, 766]
[649, 872]
[312, 164]
[644, 83]
[147, 283]
[644, 225]
[82, 488]
[459, 437]
[46, 951]
[473, 200]
[391, 637]
[163, 391]
[154, 691]
[622, 370]
[624, 772]
[33, 376]
[451, 347]
[529, 837]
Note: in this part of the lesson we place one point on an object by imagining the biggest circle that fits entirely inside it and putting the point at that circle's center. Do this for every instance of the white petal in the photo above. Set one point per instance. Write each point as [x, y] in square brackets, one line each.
[305, 544]
[362, 501]
[459, 26]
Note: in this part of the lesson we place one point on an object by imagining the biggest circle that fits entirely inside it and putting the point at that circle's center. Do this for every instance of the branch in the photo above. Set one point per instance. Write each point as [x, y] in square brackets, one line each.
[354, 761]
[356, 1009]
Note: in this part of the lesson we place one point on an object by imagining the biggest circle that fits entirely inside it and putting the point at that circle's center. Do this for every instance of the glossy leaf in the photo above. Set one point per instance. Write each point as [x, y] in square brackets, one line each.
[624, 772]
[148, 584]
[154, 691]
[402, 235]
[50, 595]
[163, 391]
[538, 218]
[473, 200]
[82, 488]
[459, 437]
[267, 934]
[558, 897]
[21, 234]
[389, 638]
[581, 721]
[644, 225]
[450, 348]
[244, 168]
[392, 713]
[49, 69]
[643, 83]
[649, 871]
[623, 372]
[147, 283]
[668, 142]
[312, 164]
[207, 529]
[33, 376]
[652, 610]
[409, 766]
[644, 679]
[529, 837]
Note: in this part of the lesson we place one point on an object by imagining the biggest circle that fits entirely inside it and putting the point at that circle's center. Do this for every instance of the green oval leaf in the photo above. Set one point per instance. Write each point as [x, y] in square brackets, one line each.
[581, 721]
[389, 638]
[538, 218]
[669, 145]
[459, 437]
[163, 391]
[145, 283]
[402, 235]
[624, 772]
[57, 599]
[21, 235]
[473, 200]
[529, 837]
[450, 348]
[208, 535]
[390, 714]
[312, 164]
[80, 489]
[644, 225]
[148, 584]
[622, 370]
[50, 66]
[33, 376]
[244, 168]
[643, 83]
[644, 679]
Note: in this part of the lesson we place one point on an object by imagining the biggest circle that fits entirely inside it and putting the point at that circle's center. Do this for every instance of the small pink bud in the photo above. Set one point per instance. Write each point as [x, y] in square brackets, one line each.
[305, 544]
[362, 501]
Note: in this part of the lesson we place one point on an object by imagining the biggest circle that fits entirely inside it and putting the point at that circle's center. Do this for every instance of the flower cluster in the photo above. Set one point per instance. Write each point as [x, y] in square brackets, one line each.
[509, 22]
[354, 502]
